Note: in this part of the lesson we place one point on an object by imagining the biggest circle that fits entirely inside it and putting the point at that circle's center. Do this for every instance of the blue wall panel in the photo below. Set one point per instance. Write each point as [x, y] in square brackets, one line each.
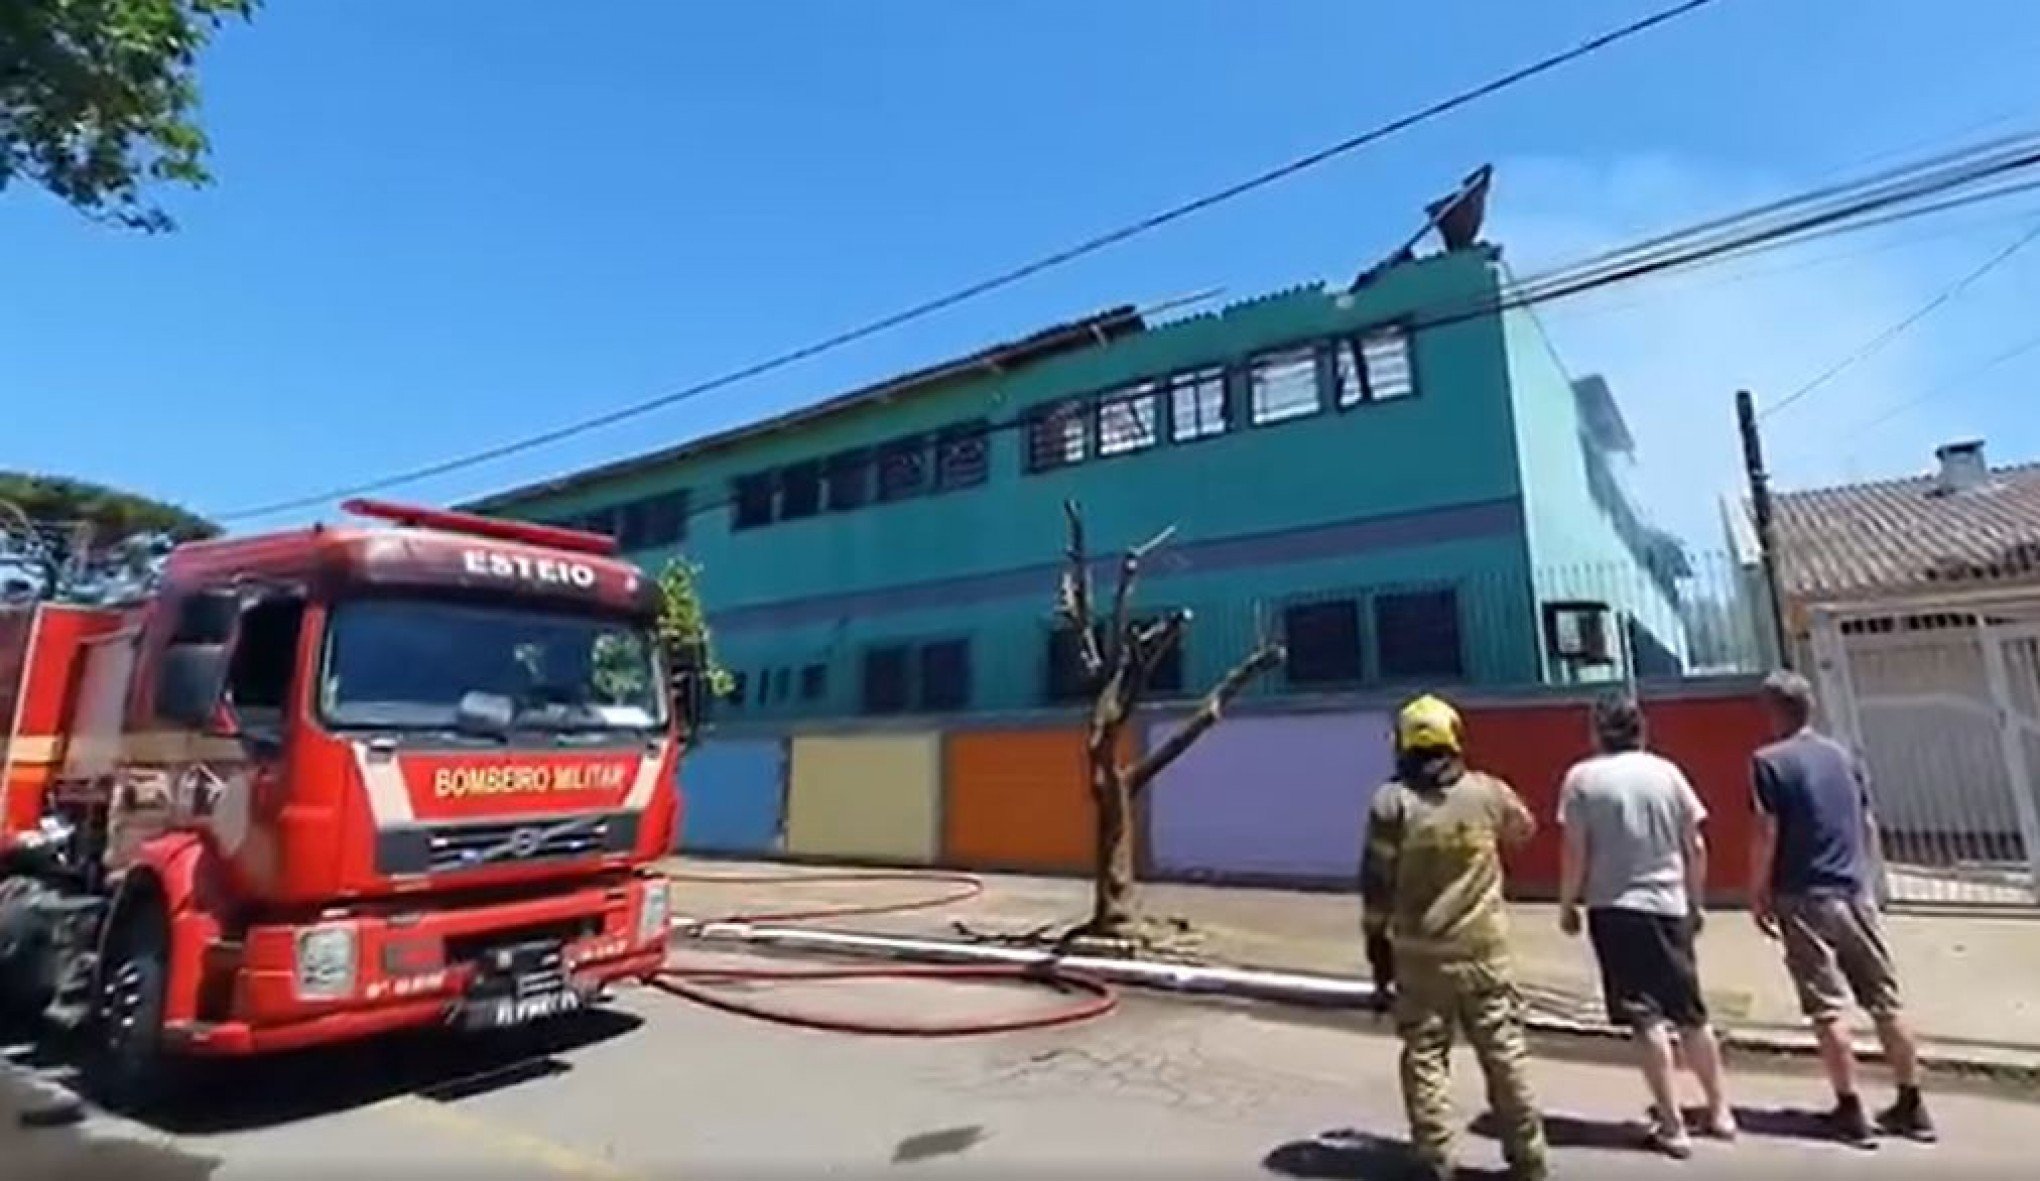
[732, 795]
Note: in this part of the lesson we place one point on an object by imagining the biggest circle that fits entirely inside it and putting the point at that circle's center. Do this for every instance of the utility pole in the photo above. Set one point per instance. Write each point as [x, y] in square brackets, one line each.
[1760, 507]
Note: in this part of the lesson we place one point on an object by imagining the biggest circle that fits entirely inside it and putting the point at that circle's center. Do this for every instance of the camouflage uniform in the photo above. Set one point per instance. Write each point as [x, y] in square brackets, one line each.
[1432, 883]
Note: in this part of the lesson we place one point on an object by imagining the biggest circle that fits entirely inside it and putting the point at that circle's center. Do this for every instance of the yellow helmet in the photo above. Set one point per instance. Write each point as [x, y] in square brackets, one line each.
[1427, 723]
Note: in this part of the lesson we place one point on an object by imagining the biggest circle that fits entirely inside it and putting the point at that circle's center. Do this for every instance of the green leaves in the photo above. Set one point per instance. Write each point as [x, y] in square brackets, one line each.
[98, 99]
[683, 624]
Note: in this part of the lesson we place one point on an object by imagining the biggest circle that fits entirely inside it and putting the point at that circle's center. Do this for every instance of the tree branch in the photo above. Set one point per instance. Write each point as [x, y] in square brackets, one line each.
[1075, 601]
[1263, 658]
[1122, 593]
[1154, 641]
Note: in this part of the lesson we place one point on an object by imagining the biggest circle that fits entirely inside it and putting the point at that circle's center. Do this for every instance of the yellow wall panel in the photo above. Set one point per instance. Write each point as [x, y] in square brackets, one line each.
[864, 797]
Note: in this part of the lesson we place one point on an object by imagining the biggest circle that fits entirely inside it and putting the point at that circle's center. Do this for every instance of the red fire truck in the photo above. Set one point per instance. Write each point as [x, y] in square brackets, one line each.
[334, 782]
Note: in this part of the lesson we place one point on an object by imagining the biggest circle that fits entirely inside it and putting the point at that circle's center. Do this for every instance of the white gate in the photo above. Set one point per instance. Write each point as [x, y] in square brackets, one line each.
[1943, 702]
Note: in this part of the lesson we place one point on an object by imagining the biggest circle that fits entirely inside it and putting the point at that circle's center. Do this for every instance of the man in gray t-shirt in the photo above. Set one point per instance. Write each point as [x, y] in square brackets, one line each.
[1633, 854]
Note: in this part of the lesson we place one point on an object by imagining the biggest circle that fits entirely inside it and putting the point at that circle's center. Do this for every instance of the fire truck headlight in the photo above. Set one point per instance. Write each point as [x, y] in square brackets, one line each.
[326, 962]
[653, 912]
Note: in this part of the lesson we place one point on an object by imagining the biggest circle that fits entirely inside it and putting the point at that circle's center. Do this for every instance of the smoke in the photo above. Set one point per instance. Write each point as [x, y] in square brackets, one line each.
[1675, 350]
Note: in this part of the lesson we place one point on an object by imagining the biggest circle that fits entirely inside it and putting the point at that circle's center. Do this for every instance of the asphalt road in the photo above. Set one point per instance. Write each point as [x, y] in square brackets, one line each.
[661, 1088]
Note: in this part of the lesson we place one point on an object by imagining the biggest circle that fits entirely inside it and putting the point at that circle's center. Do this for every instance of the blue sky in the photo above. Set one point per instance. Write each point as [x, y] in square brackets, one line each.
[440, 226]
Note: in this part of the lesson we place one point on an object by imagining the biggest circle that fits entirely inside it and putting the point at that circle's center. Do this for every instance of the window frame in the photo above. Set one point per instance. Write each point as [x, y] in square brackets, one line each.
[1310, 351]
[1037, 418]
[905, 650]
[673, 501]
[809, 471]
[1382, 673]
[1149, 390]
[1173, 385]
[966, 690]
[765, 482]
[1355, 601]
[976, 430]
[919, 444]
[855, 467]
[1351, 346]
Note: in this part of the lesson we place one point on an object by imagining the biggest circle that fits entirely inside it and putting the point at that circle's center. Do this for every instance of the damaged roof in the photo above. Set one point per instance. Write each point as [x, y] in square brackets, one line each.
[1096, 329]
[1910, 534]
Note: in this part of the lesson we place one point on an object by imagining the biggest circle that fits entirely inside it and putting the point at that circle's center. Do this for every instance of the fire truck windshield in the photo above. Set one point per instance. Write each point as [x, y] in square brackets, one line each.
[407, 663]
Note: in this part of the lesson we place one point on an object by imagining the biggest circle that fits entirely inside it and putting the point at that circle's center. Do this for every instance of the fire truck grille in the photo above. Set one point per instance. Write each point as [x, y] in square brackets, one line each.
[451, 848]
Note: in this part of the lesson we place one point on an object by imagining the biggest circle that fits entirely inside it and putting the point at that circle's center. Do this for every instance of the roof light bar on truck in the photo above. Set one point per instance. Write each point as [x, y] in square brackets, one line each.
[550, 536]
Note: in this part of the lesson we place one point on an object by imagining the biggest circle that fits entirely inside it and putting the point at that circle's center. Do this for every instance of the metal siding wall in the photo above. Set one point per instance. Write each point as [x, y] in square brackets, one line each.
[1017, 799]
[1711, 739]
[1269, 797]
[871, 797]
[733, 797]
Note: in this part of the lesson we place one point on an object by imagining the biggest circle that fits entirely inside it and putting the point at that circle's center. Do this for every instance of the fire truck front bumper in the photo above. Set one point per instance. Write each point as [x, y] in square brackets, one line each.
[473, 967]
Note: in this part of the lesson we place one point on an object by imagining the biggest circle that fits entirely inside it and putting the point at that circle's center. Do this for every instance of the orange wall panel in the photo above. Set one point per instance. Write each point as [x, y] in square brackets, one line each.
[1711, 739]
[1017, 799]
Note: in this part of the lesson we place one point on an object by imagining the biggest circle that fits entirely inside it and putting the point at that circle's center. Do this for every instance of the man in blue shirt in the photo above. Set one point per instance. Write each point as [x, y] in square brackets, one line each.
[1811, 874]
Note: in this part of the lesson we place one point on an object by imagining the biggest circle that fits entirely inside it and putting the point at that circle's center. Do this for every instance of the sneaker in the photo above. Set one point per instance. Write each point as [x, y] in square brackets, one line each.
[1908, 1119]
[1720, 1126]
[1673, 1141]
[1849, 1125]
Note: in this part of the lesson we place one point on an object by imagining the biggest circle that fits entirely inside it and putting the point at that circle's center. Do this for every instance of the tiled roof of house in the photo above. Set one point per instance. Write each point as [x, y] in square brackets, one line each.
[1909, 534]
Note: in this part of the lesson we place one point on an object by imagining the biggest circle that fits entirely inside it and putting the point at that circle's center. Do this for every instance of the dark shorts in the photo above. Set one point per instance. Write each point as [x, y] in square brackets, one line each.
[1648, 969]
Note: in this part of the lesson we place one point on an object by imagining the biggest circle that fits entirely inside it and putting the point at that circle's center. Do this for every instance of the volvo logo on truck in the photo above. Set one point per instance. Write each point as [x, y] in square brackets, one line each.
[549, 571]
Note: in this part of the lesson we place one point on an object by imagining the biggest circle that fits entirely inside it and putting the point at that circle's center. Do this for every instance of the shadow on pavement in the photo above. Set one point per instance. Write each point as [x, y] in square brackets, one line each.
[36, 1149]
[1348, 1155]
[233, 1095]
[941, 1142]
[1571, 1131]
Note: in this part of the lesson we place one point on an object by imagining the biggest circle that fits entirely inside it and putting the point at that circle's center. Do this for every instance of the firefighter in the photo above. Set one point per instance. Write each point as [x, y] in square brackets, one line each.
[1437, 935]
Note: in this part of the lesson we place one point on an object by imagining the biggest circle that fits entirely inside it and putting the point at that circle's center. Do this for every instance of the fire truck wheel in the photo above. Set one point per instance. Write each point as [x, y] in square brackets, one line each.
[128, 1068]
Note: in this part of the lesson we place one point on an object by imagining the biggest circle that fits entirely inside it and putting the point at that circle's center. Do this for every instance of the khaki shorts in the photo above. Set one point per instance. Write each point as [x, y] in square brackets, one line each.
[1834, 947]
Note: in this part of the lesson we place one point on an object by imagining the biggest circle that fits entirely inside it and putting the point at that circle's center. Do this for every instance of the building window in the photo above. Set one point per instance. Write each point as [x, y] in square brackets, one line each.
[1197, 405]
[945, 676]
[1282, 386]
[961, 456]
[738, 682]
[800, 490]
[1065, 680]
[885, 679]
[752, 501]
[1323, 640]
[665, 518]
[1417, 633]
[1167, 679]
[814, 682]
[1376, 367]
[847, 477]
[1129, 422]
[780, 688]
[1057, 437]
[602, 521]
[903, 468]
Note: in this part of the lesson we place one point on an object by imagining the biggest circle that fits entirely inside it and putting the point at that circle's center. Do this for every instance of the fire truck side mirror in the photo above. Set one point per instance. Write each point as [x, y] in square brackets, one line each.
[690, 701]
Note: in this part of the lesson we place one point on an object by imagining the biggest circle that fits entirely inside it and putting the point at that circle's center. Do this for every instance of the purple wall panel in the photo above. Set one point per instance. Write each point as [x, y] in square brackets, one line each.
[1269, 797]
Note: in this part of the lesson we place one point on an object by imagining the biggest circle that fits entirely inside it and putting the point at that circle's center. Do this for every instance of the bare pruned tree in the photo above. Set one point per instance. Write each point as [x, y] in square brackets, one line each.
[1117, 659]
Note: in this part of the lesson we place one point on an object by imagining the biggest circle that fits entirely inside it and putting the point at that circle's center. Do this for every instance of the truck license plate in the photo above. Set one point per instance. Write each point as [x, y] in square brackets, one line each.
[501, 1012]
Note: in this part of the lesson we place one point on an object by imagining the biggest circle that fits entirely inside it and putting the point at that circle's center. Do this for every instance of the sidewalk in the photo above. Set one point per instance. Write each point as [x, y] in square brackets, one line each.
[1970, 980]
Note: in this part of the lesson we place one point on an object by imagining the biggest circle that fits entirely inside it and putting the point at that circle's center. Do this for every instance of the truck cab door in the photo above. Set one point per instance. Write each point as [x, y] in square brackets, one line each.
[228, 678]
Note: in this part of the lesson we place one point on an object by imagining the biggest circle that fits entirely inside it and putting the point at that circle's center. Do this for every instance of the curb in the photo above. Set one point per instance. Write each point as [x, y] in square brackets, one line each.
[1312, 990]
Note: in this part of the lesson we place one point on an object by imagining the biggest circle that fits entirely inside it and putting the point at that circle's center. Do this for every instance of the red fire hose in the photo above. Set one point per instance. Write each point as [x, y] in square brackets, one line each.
[1094, 997]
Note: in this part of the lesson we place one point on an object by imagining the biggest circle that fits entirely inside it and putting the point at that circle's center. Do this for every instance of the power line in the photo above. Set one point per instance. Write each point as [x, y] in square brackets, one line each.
[1885, 199]
[1892, 333]
[1946, 386]
[1720, 239]
[1001, 280]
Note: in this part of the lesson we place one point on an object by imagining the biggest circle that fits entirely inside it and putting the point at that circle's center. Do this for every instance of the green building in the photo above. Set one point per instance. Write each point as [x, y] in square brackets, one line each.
[1396, 477]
